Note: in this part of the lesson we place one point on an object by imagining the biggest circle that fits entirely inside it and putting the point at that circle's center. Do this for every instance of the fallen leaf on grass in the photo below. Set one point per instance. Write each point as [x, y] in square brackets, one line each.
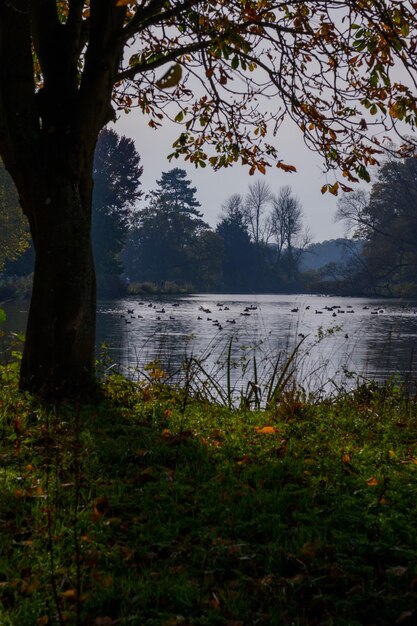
[181, 437]
[372, 482]
[69, 594]
[42, 621]
[266, 430]
[104, 621]
[214, 601]
[243, 460]
[146, 476]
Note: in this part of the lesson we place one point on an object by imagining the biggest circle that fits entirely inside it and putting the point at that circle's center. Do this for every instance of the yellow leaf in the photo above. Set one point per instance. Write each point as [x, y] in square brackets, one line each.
[391, 454]
[69, 594]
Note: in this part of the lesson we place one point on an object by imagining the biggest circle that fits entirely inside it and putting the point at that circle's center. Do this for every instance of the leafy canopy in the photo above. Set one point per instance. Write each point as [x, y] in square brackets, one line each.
[230, 72]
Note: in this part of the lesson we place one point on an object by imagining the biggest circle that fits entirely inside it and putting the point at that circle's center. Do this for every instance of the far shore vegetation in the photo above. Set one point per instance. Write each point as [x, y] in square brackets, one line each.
[161, 244]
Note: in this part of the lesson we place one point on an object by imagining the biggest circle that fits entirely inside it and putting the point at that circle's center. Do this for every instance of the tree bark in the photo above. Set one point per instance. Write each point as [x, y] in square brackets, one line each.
[58, 357]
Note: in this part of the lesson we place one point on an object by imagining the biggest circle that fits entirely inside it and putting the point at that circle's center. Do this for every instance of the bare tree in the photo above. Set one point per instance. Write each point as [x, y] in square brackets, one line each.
[351, 209]
[286, 227]
[232, 206]
[256, 203]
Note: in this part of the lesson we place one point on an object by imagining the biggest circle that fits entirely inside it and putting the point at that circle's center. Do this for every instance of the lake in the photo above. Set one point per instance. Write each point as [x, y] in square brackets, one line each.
[342, 339]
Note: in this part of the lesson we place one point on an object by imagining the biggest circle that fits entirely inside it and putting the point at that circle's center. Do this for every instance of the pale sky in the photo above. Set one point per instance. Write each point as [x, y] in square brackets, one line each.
[213, 188]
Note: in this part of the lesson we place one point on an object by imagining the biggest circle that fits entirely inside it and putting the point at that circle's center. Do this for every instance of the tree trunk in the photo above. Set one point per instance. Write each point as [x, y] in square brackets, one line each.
[58, 357]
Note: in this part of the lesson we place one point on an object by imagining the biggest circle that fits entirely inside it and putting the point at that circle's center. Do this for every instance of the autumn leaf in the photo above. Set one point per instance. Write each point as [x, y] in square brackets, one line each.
[266, 430]
[103, 621]
[69, 594]
[285, 167]
[372, 482]
[95, 515]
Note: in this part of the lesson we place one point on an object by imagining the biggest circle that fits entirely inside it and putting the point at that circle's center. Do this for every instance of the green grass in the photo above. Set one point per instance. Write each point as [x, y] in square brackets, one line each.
[151, 508]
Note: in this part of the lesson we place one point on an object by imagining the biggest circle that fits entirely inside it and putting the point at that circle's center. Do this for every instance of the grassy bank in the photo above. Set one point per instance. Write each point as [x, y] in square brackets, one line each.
[151, 508]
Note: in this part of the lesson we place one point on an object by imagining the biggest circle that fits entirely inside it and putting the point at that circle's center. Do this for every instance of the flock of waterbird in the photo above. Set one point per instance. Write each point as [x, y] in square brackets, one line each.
[165, 311]
[336, 309]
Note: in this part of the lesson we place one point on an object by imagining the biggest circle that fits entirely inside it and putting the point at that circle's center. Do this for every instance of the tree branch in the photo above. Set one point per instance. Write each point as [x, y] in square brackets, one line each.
[170, 56]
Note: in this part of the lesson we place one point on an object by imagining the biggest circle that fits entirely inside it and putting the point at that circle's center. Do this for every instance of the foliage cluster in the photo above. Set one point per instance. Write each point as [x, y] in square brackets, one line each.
[257, 244]
[384, 219]
[153, 508]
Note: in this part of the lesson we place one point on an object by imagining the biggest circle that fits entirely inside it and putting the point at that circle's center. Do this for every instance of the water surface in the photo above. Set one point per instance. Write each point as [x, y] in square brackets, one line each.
[359, 337]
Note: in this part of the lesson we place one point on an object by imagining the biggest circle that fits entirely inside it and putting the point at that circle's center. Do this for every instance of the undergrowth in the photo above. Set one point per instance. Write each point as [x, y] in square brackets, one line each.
[153, 508]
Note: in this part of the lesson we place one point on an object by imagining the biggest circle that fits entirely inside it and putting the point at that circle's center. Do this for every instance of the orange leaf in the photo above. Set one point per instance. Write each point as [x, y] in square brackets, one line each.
[285, 167]
[372, 482]
[104, 621]
[95, 515]
[346, 458]
[69, 594]
[42, 621]
[266, 430]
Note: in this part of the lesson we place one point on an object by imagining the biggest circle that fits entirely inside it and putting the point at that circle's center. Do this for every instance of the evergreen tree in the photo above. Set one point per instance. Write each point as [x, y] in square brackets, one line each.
[175, 193]
[165, 243]
[117, 173]
[238, 251]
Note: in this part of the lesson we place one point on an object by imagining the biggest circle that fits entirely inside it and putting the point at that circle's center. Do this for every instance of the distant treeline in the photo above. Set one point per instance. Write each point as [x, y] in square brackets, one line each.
[160, 242]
